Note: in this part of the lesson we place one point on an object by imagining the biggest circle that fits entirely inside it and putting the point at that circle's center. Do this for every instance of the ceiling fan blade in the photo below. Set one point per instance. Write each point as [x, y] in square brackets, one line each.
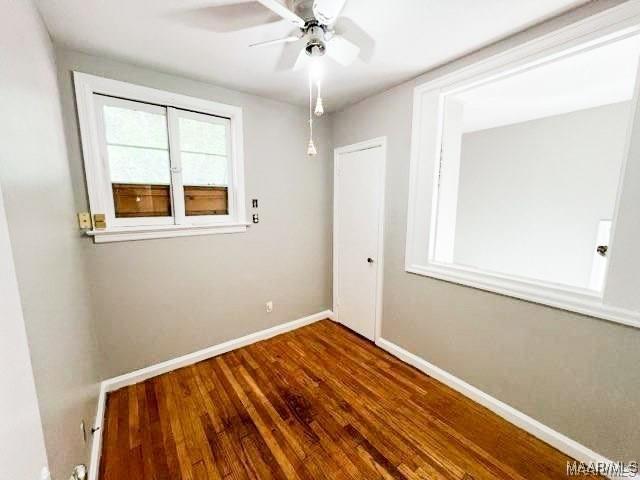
[293, 57]
[342, 50]
[284, 12]
[289, 39]
[328, 11]
[350, 30]
[229, 17]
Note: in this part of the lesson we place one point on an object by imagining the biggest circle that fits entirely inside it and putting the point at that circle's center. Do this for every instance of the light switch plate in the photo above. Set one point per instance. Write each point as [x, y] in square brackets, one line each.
[84, 220]
[99, 221]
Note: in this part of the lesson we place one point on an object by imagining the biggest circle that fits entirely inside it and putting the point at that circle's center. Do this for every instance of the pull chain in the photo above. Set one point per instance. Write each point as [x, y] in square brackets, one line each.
[311, 149]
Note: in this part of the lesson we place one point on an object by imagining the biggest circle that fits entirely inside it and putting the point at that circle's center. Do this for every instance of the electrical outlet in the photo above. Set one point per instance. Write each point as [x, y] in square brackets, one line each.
[269, 306]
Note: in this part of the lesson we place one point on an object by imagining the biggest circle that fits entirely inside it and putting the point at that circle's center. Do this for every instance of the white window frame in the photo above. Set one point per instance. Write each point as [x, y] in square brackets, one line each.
[176, 172]
[103, 169]
[96, 163]
[619, 306]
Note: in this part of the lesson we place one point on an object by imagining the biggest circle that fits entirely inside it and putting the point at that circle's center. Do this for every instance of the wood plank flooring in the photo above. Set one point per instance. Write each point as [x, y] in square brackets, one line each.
[316, 403]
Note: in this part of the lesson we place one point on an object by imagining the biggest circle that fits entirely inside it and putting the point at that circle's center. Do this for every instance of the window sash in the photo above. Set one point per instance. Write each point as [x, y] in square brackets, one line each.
[108, 203]
[173, 118]
[178, 213]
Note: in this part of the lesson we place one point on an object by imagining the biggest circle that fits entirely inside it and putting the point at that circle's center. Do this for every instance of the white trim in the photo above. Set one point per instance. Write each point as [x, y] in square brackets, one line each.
[615, 23]
[191, 358]
[380, 142]
[125, 234]
[620, 19]
[175, 161]
[143, 374]
[100, 199]
[516, 417]
[96, 444]
[558, 297]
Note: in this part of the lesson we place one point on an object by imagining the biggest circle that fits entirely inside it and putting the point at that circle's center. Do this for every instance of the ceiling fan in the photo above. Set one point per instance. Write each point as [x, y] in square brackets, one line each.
[320, 30]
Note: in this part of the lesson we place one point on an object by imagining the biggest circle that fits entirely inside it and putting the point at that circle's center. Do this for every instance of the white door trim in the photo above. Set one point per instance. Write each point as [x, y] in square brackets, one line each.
[380, 142]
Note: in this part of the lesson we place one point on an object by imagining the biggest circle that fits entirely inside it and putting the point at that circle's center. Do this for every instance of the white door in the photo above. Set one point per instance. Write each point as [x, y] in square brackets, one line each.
[358, 235]
[22, 450]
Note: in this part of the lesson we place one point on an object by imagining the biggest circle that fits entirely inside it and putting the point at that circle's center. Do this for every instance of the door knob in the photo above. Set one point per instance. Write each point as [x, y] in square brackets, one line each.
[79, 473]
[370, 260]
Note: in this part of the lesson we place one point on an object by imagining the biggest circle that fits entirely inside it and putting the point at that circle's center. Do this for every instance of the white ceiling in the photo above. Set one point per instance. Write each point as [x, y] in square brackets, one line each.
[207, 39]
[595, 77]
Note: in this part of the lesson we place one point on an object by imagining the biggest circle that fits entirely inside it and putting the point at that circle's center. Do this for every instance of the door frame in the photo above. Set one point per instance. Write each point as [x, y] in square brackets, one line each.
[378, 142]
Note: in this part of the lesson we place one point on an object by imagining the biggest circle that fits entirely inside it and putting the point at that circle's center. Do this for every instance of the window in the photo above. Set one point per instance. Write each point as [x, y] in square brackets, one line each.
[531, 164]
[159, 164]
[205, 163]
[136, 143]
[520, 177]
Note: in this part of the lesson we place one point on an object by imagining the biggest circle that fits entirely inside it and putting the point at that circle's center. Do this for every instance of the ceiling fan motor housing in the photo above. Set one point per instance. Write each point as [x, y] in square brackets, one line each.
[316, 46]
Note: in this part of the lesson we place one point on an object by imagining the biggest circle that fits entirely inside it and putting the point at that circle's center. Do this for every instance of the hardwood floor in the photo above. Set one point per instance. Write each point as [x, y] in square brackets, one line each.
[319, 402]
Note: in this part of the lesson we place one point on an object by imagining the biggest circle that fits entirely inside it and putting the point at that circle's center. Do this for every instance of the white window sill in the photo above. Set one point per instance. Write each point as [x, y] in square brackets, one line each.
[125, 234]
[567, 298]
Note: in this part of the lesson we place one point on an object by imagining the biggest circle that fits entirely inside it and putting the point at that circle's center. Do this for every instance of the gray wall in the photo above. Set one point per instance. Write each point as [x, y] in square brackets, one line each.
[158, 299]
[575, 374]
[48, 251]
[22, 450]
[531, 194]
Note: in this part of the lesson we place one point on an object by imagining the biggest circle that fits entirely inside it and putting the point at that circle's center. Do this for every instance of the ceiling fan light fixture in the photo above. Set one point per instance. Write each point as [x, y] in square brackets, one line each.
[316, 46]
[320, 31]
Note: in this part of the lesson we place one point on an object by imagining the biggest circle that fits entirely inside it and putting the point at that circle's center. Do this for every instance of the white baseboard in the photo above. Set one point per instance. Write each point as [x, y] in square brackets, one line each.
[548, 435]
[96, 444]
[143, 374]
[191, 358]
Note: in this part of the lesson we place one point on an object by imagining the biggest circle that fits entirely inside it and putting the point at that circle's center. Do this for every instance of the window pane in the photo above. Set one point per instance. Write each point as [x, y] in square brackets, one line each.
[126, 126]
[138, 151]
[205, 168]
[138, 165]
[206, 200]
[202, 137]
[132, 200]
